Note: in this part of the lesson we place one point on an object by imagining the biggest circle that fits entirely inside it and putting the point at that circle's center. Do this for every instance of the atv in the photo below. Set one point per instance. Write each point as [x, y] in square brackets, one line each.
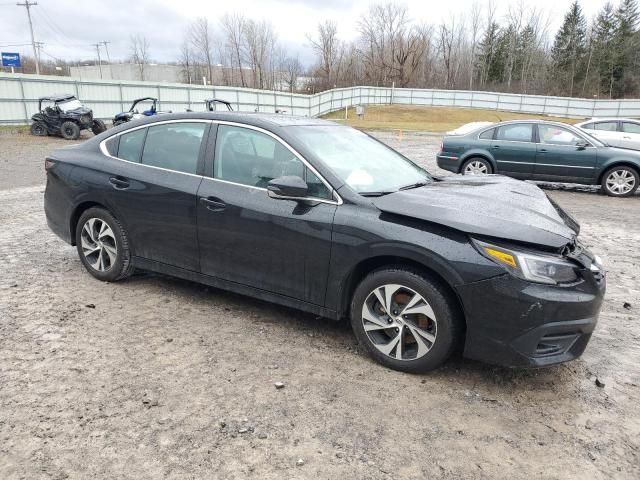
[133, 113]
[210, 105]
[64, 115]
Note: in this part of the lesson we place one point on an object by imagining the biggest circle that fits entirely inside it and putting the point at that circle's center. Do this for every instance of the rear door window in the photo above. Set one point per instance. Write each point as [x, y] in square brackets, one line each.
[606, 126]
[174, 146]
[519, 132]
[130, 147]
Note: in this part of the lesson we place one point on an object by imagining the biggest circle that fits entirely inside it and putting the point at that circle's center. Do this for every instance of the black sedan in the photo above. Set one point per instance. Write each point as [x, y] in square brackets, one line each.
[545, 151]
[321, 217]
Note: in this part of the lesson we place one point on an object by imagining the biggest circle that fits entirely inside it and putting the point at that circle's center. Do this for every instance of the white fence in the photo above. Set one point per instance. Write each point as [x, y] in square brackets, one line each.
[19, 98]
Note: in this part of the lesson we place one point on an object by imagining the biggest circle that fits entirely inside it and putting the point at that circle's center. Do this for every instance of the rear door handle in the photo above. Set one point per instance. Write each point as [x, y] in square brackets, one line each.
[212, 203]
[119, 183]
[495, 146]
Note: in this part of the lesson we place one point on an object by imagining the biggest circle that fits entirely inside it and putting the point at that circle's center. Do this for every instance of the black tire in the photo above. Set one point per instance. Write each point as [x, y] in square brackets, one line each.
[39, 129]
[70, 130]
[477, 160]
[449, 323]
[98, 127]
[121, 267]
[625, 174]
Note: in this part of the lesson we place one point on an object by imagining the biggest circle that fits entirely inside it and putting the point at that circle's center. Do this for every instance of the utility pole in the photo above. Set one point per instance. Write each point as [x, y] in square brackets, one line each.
[106, 49]
[27, 4]
[105, 43]
[97, 45]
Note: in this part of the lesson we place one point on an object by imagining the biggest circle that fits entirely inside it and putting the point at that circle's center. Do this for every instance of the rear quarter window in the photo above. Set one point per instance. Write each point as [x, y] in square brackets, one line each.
[130, 147]
[487, 134]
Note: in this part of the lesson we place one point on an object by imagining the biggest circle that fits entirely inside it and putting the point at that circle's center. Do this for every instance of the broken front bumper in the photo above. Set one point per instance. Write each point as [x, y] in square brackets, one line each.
[515, 323]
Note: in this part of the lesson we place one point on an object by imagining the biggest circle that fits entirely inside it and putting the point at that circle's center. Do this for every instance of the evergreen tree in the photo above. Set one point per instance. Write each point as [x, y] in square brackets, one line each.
[602, 46]
[569, 48]
[625, 48]
[488, 64]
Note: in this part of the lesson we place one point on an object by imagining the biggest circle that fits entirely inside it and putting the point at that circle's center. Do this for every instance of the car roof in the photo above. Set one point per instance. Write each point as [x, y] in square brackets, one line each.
[609, 119]
[266, 120]
[58, 97]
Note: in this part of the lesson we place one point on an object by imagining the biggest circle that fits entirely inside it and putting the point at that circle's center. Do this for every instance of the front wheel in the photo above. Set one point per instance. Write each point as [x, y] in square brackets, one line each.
[476, 166]
[98, 127]
[70, 130]
[405, 319]
[103, 245]
[621, 181]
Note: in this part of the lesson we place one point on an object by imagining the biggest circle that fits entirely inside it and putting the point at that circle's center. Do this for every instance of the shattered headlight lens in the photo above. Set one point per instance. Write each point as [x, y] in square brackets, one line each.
[549, 269]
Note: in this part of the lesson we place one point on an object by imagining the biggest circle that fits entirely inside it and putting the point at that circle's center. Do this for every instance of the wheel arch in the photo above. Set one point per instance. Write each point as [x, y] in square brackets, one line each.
[478, 154]
[617, 163]
[77, 213]
[368, 265]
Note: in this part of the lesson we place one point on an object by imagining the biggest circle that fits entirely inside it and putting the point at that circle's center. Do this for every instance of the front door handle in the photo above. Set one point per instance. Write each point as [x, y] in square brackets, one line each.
[119, 183]
[212, 203]
[543, 150]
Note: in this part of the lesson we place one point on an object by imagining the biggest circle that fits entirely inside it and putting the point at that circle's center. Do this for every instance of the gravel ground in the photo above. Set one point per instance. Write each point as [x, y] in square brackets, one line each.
[160, 378]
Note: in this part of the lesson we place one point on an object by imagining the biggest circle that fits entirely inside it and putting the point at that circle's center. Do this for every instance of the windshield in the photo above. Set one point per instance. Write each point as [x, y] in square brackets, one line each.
[70, 105]
[597, 142]
[363, 163]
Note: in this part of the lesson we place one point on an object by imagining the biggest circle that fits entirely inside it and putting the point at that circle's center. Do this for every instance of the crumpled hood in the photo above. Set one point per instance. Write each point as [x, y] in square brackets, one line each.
[490, 205]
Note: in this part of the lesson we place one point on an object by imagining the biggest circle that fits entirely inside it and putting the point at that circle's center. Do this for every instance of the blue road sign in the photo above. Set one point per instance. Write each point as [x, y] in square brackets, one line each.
[10, 59]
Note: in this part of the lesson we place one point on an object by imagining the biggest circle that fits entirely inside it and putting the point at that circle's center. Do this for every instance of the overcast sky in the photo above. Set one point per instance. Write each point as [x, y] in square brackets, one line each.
[69, 27]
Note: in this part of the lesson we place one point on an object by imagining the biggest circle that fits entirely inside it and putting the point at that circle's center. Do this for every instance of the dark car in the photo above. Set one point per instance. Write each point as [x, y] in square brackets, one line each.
[324, 218]
[64, 115]
[544, 151]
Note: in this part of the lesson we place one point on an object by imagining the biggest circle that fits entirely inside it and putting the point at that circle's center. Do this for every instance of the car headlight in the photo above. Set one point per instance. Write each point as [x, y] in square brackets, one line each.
[532, 267]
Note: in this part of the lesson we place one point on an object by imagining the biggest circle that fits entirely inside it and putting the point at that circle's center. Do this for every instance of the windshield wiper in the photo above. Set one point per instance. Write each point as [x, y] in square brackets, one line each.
[376, 194]
[414, 185]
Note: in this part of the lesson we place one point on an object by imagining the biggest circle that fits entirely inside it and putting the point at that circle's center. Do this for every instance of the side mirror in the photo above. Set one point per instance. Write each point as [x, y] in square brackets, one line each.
[581, 146]
[287, 187]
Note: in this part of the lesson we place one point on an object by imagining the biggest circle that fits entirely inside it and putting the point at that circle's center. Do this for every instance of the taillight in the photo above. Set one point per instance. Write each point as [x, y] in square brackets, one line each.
[48, 164]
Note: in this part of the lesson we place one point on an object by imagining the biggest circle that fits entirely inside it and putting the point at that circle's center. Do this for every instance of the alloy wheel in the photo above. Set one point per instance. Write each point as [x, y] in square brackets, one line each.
[99, 245]
[476, 168]
[399, 322]
[620, 181]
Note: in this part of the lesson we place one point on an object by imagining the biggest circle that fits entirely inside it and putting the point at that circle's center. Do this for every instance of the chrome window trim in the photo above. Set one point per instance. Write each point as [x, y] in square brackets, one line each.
[103, 147]
[337, 199]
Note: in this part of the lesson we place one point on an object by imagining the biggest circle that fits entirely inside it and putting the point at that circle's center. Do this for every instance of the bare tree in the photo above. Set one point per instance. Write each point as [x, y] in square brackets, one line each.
[326, 46]
[139, 47]
[233, 26]
[201, 40]
[260, 42]
[292, 69]
[187, 62]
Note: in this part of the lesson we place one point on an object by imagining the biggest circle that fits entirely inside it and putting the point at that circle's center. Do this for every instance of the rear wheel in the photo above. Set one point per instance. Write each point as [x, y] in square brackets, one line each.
[405, 319]
[70, 130]
[476, 166]
[98, 127]
[39, 129]
[103, 245]
[620, 181]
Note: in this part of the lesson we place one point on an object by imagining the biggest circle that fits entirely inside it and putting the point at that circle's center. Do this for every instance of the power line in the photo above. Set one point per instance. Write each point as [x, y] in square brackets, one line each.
[28, 6]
